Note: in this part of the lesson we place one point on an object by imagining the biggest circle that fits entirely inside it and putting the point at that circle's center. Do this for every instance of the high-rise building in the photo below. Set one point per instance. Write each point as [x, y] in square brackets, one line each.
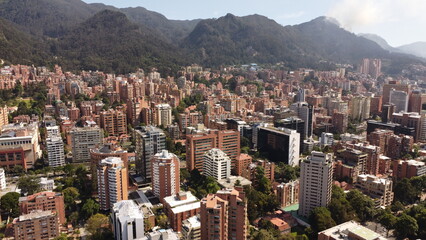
[288, 193]
[305, 112]
[282, 144]
[399, 99]
[340, 122]
[352, 163]
[417, 101]
[216, 164]
[379, 189]
[396, 86]
[408, 168]
[165, 174]
[376, 105]
[55, 151]
[224, 215]
[112, 182]
[371, 67]
[163, 115]
[359, 108]
[191, 228]
[127, 221]
[150, 140]
[316, 179]
[45, 201]
[114, 122]
[39, 224]
[387, 112]
[2, 179]
[83, 139]
[180, 207]
[197, 144]
[409, 120]
[4, 119]
[242, 162]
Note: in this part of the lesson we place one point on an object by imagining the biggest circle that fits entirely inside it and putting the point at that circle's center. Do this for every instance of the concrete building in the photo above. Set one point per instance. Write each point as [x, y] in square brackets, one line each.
[408, 120]
[268, 169]
[112, 182]
[242, 162]
[304, 112]
[163, 115]
[55, 151]
[2, 179]
[197, 144]
[282, 144]
[44, 201]
[351, 163]
[114, 122]
[191, 228]
[4, 118]
[408, 169]
[326, 139]
[83, 139]
[399, 99]
[127, 221]
[216, 164]
[36, 225]
[180, 207]
[379, 189]
[371, 67]
[288, 193]
[349, 231]
[340, 122]
[165, 174]
[359, 108]
[19, 145]
[316, 177]
[150, 140]
[47, 184]
[224, 216]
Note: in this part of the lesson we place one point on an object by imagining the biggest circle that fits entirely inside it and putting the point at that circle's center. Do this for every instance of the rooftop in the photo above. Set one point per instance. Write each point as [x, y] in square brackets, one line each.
[174, 201]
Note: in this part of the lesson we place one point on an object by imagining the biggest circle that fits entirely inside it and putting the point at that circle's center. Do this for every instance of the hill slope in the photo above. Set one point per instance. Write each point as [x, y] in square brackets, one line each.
[417, 49]
[108, 41]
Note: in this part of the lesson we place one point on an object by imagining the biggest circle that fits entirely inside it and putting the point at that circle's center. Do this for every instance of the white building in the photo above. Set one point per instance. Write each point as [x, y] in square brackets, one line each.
[2, 179]
[191, 228]
[327, 139]
[359, 108]
[127, 221]
[316, 178]
[47, 184]
[163, 114]
[55, 151]
[53, 131]
[400, 99]
[216, 164]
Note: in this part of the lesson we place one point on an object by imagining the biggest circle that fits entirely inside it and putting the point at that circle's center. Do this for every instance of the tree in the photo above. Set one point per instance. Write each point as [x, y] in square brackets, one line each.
[29, 184]
[286, 173]
[388, 220]
[321, 219]
[73, 218]
[405, 192]
[263, 235]
[90, 207]
[363, 205]
[161, 220]
[71, 194]
[406, 226]
[9, 204]
[97, 223]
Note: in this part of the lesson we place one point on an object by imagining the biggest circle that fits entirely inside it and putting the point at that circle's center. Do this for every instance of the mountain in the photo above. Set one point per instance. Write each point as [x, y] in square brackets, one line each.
[50, 18]
[417, 49]
[379, 40]
[108, 41]
[173, 30]
[18, 47]
[231, 40]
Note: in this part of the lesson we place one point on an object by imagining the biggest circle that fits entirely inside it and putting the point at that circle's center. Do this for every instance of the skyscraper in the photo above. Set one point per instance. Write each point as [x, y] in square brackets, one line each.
[149, 141]
[224, 216]
[163, 115]
[400, 99]
[316, 177]
[114, 122]
[304, 112]
[55, 151]
[112, 182]
[165, 174]
[83, 139]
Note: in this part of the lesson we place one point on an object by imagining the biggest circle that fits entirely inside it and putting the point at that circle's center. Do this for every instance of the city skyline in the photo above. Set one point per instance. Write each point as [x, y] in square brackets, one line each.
[391, 19]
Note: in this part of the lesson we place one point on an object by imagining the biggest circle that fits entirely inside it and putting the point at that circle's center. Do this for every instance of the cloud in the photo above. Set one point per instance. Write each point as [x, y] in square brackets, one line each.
[356, 14]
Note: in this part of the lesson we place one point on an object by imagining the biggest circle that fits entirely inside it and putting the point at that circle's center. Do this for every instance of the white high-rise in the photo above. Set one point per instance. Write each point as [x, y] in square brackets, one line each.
[127, 221]
[163, 115]
[216, 164]
[55, 151]
[2, 179]
[316, 178]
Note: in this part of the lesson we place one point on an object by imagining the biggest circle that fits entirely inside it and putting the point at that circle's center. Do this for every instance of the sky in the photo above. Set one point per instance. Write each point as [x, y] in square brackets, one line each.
[399, 22]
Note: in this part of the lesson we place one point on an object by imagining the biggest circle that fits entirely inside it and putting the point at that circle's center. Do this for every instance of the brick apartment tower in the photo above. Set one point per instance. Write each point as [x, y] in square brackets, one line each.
[114, 122]
[226, 209]
[44, 201]
[165, 174]
[112, 182]
[198, 144]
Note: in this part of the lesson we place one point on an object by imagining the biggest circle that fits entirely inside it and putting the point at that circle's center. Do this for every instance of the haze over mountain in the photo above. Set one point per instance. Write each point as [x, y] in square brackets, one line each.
[95, 36]
[417, 49]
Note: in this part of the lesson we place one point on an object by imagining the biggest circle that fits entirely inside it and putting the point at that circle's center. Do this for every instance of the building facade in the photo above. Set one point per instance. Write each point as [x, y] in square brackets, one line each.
[83, 139]
[165, 174]
[127, 221]
[216, 164]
